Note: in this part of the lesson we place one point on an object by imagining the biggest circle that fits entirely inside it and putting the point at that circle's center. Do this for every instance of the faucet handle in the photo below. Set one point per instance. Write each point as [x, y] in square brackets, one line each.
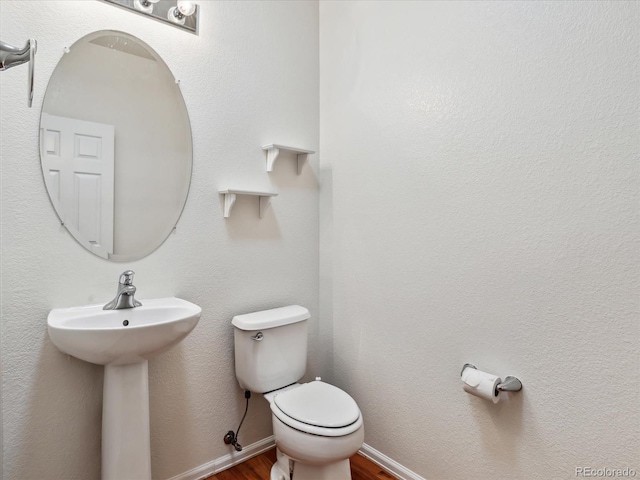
[126, 278]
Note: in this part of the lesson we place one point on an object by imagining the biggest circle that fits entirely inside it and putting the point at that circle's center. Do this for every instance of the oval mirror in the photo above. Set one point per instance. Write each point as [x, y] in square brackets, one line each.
[115, 145]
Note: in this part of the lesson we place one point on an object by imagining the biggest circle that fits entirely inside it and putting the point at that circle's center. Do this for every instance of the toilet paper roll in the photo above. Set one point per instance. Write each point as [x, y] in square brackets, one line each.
[481, 384]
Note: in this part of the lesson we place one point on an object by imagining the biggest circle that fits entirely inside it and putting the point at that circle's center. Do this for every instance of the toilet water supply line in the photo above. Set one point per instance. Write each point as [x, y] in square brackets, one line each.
[232, 438]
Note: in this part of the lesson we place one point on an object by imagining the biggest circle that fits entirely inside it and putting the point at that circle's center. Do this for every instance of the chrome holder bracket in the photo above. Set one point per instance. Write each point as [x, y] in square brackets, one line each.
[11, 56]
[510, 384]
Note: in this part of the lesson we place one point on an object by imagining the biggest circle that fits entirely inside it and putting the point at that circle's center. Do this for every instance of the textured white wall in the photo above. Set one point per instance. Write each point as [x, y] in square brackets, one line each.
[481, 165]
[250, 78]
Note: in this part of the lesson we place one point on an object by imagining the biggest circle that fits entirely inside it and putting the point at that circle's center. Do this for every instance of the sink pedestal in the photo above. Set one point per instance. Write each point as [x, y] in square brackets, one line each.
[126, 443]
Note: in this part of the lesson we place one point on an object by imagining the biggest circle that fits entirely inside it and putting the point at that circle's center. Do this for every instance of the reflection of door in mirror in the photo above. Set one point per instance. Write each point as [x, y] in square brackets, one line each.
[78, 166]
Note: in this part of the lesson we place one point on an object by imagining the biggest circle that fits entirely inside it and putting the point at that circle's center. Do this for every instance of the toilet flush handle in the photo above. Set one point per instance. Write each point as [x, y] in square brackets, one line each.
[258, 337]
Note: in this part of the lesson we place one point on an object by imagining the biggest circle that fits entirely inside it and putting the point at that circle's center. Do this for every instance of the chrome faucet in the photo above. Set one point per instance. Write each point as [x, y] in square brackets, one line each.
[125, 296]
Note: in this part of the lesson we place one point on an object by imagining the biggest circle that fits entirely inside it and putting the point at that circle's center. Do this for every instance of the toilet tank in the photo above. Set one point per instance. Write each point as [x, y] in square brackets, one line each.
[271, 348]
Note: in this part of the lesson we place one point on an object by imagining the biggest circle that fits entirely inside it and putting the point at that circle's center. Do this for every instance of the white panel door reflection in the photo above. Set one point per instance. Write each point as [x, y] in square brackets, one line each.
[78, 163]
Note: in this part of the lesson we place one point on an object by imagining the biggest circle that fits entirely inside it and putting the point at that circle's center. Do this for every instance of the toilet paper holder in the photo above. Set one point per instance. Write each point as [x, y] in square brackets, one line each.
[509, 384]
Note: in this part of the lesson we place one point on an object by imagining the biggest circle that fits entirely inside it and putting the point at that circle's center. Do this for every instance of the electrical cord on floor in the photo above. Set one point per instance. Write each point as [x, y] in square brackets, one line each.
[231, 438]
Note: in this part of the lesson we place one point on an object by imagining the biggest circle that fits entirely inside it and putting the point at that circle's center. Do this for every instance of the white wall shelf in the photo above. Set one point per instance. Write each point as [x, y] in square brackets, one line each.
[273, 151]
[264, 199]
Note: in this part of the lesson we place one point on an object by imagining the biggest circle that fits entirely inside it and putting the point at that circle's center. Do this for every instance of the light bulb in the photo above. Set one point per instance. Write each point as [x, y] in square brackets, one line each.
[145, 6]
[186, 7]
[179, 13]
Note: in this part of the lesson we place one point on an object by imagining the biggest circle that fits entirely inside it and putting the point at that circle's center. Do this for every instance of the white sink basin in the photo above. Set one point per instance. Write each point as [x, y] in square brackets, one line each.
[117, 337]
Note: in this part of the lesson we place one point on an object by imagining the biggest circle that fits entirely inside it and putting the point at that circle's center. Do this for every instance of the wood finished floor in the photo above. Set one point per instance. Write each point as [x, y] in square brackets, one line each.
[259, 468]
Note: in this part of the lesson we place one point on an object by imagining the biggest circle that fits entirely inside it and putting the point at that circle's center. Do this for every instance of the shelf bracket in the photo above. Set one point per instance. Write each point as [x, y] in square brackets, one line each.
[272, 155]
[229, 200]
[302, 160]
[264, 204]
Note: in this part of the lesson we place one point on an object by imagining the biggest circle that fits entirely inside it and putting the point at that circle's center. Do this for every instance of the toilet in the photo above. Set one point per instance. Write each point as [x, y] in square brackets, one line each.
[316, 426]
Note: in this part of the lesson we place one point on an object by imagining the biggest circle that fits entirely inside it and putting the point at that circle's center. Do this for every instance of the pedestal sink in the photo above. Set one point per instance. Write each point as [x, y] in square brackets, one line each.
[124, 341]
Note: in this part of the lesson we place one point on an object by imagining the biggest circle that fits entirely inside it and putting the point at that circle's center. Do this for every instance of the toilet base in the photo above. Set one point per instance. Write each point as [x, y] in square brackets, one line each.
[333, 471]
[280, 469]
[340, 470]
[277, 473]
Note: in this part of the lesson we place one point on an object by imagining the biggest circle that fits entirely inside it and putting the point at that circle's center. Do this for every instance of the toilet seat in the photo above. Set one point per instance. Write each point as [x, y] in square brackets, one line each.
[318, 408]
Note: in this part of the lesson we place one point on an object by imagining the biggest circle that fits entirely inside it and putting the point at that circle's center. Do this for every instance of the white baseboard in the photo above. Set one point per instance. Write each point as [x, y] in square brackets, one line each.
[391, 466]
[227, 461]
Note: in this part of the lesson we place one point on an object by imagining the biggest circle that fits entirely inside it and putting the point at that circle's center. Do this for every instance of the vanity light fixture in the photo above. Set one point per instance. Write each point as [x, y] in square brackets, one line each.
[181, 13]
[183, 9]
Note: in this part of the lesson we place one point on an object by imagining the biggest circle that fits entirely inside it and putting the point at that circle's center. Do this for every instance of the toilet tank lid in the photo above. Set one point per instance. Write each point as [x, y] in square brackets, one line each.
[276, 317]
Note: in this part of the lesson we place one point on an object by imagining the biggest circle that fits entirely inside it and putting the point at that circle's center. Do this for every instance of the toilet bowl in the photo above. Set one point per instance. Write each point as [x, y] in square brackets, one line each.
[316, 426]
